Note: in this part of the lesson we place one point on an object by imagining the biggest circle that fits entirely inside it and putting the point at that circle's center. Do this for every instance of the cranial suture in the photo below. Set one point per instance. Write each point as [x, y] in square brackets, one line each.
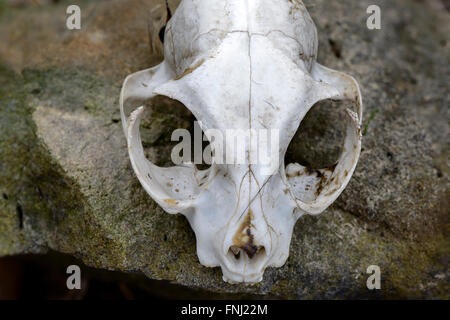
[242, 64]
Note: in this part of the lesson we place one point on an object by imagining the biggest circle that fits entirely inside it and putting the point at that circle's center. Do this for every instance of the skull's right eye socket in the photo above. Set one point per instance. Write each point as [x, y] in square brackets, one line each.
[162, 116]
[319, 140]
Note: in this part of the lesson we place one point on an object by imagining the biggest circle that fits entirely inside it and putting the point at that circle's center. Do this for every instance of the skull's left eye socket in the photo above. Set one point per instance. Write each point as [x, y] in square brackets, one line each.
[319, 140]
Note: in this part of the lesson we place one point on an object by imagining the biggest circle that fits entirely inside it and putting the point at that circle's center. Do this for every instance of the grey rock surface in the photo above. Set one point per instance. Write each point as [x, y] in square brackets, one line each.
[66, 183]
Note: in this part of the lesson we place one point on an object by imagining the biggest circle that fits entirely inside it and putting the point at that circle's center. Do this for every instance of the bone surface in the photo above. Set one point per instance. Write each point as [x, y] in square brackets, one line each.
[247, 65]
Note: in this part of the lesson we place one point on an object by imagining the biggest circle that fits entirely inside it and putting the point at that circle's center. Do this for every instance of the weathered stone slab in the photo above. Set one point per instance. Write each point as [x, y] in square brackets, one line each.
[66, 183]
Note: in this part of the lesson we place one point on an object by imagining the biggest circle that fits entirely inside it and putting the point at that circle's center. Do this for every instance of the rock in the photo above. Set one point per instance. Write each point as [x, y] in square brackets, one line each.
[66, 183]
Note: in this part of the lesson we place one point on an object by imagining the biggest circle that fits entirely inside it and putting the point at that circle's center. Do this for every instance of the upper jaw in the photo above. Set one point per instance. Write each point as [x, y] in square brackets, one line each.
[243, 271]
[237, 277]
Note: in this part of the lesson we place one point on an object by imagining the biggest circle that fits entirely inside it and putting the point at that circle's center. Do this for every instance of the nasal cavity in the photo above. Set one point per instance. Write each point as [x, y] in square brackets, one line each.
[250, 250]
[243, 244]
[244, 240]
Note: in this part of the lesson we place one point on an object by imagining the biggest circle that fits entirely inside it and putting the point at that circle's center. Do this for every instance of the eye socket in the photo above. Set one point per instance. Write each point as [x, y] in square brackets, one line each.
[319, 140]
[162, 116]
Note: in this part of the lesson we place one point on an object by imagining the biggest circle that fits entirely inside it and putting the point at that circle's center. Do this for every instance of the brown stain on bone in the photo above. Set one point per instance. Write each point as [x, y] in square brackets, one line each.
[172, 202]
[243, 238]
[293, 175]
[324, 181]
[190, 69]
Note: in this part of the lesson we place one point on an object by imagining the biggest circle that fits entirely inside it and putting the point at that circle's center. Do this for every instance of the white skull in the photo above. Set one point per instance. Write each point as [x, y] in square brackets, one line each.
[243, 64]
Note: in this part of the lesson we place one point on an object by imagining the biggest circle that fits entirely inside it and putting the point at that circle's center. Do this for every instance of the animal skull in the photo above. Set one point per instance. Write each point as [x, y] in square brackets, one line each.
[242, 64]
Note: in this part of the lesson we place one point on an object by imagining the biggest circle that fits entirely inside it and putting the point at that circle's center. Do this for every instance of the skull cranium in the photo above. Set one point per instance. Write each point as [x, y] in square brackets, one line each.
[243, 65]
